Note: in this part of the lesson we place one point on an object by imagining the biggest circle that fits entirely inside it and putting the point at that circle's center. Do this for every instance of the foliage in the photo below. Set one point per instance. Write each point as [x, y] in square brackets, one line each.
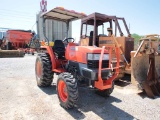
[136, 39]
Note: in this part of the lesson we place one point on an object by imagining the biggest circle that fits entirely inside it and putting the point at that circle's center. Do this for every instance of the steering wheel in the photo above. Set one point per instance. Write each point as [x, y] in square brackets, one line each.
[66, 39]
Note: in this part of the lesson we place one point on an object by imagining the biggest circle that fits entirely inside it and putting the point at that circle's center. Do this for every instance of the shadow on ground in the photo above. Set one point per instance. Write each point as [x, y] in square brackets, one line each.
[91, 102]
[122, 83]
[144, 95]
[49, 90]
[102, 107]
[125, 81]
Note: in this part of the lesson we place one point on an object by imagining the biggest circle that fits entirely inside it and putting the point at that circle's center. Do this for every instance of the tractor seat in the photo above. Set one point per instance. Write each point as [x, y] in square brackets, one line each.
[59, 49]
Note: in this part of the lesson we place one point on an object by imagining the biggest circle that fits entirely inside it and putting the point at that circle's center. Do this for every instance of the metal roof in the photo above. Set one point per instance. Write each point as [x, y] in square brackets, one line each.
[62, 14]
[103, 17]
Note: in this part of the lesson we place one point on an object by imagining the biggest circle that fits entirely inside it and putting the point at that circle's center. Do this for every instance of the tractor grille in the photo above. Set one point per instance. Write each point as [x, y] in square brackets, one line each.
[95, 63]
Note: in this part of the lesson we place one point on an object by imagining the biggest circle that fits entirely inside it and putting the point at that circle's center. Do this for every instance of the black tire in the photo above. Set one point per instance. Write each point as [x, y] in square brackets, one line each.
[9, 46]
[46, 76]
[71, 90]
[107, 92]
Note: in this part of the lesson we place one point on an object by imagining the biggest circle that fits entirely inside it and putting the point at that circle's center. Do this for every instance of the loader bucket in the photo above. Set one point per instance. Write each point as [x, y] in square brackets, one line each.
[11, 53]
[146, 72]
[157, 65]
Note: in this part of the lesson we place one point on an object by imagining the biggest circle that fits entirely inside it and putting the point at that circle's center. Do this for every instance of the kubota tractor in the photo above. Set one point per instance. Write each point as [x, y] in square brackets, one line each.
[74, 63]
[101, 30]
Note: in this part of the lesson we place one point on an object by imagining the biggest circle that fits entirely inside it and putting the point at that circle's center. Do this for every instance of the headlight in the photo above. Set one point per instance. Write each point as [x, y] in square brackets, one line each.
[97, 56]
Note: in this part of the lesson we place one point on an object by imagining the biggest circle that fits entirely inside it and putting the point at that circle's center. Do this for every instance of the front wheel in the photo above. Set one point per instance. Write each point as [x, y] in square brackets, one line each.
[67, 90]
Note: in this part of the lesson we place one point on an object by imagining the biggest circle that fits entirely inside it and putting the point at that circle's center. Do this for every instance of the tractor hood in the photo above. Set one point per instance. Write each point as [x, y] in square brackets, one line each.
[79, 53]
[89, 49]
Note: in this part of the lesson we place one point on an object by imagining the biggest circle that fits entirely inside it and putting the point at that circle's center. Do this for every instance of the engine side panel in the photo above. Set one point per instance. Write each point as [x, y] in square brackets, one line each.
[74, 54]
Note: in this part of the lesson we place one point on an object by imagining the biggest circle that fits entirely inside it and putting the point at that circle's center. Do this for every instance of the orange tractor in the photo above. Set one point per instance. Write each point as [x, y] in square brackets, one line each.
[73, 63]
[101, 30]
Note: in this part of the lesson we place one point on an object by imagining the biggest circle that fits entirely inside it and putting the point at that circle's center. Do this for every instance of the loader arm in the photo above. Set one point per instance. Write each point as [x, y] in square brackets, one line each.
[120, 47]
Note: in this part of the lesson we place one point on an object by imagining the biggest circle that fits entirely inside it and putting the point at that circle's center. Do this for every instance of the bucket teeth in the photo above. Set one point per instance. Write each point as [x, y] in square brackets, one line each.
[148, 90]
[158, 86]
[155, 90]
[152, 79]
[152, 90]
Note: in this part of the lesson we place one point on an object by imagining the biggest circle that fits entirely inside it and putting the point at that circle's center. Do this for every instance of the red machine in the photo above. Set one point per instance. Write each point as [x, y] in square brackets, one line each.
[18, 39]
[75, 64]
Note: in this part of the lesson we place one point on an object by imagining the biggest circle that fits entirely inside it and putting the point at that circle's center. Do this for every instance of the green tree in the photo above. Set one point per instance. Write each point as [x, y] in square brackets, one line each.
[136, 39]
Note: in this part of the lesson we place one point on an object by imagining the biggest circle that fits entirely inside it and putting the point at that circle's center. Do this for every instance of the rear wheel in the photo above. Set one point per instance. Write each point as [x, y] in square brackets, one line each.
[43, 70]
[9, 46]
[67, 90]
[107, 92]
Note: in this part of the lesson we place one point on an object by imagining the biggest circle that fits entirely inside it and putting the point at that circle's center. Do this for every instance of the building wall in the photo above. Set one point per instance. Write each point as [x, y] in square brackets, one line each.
[54, 29]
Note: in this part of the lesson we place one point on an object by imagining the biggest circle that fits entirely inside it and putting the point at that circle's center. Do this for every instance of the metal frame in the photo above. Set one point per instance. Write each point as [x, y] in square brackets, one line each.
[62, 13]
[104, 18]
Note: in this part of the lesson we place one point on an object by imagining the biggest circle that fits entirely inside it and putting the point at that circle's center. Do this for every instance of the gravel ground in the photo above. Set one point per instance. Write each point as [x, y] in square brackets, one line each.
[20, 98]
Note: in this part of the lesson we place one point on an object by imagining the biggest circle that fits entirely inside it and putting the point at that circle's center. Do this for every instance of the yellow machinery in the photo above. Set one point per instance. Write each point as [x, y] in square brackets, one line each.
[146, 66]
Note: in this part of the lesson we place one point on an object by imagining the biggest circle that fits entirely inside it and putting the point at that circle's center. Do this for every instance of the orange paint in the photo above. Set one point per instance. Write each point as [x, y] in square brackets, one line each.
[106, 84]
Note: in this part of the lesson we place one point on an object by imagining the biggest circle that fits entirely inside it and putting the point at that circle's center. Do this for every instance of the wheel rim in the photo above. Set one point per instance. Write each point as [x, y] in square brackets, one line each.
[62, 90]
[39, 69]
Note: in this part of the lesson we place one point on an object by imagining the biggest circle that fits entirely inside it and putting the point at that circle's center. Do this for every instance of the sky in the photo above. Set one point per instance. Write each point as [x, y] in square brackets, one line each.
[143, 16]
